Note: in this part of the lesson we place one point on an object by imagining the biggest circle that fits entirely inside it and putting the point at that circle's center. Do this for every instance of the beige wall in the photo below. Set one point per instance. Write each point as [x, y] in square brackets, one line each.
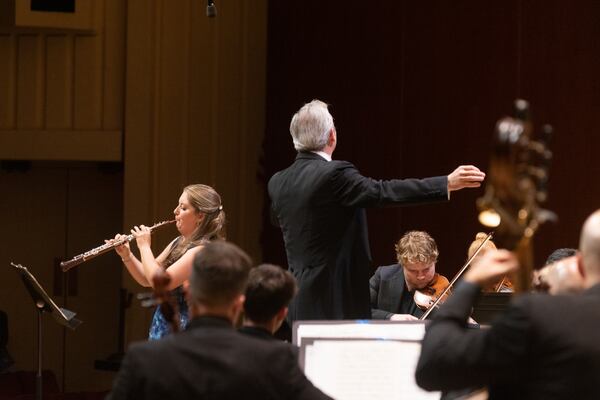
[195, 90]
[169, 95]
[62, 91]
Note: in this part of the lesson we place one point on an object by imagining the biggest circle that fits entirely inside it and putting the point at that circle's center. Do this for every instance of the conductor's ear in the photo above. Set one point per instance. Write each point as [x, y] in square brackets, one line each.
[332, 139]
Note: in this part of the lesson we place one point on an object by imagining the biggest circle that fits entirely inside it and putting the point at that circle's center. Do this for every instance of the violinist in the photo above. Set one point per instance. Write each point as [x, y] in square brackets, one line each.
[504, 285]
[560, 274]
[542, 347]
[393, 286]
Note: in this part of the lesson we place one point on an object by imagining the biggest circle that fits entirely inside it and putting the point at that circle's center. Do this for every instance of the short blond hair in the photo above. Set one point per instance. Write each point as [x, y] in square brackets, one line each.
[416, 247]
[479, 238]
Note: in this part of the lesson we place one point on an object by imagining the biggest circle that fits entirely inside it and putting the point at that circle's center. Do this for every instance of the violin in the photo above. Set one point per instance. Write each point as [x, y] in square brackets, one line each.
[427, 296]
[164, 299]
[505, 285]
[441, 297]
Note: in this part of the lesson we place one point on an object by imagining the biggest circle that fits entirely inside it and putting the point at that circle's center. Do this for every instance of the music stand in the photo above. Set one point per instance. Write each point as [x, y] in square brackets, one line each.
[43, 303]
[489, 305]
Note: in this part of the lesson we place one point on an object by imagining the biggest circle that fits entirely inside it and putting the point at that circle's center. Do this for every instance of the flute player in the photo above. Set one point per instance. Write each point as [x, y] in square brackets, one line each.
[199, 218]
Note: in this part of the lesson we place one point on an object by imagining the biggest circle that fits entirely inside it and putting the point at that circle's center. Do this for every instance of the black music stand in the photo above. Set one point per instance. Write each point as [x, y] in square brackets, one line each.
[489, 305]
[43, 303]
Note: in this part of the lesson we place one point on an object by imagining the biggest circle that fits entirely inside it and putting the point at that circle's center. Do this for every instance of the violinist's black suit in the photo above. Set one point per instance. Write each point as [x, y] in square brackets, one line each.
[319, 206]
[542, 347]
[389, 294]
[210, 360]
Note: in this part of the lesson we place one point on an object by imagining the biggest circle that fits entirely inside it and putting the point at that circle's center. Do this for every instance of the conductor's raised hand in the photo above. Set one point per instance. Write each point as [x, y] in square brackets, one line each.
[142, 235]
[465, 176]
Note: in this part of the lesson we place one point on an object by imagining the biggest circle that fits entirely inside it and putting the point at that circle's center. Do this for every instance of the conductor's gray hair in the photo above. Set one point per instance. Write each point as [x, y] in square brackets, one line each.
[310, 126]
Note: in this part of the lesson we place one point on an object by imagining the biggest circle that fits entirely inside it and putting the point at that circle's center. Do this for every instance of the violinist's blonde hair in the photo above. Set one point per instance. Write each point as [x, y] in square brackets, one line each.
[416, 247]
[479, 238]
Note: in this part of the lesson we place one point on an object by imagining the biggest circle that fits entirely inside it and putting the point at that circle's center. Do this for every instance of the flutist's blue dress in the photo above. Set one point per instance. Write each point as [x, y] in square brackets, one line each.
[159, 327]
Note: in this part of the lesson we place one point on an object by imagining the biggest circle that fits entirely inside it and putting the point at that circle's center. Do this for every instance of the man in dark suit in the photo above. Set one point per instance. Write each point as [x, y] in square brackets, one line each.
[542, 347]
[210, 360]
[319, 205]
[268, 294]
[393, 286]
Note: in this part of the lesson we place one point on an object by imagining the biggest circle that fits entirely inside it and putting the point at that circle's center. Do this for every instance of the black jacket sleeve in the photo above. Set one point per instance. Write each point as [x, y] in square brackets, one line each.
[354, 190]
[374, 287]
[127, 382]
[455, 357]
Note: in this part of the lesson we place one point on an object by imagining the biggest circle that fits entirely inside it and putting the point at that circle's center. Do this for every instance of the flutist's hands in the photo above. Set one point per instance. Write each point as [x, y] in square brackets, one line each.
[142, 236]
[123, 250]
[465, 176]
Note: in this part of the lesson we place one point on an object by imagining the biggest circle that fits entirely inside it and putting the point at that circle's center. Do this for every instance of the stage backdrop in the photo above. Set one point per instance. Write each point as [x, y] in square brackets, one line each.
[416, 88]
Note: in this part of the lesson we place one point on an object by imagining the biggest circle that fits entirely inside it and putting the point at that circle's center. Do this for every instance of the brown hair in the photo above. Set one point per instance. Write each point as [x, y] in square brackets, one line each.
[479, 238]
[206, 200]
[416, 247]
[270, 288]
[219, 274]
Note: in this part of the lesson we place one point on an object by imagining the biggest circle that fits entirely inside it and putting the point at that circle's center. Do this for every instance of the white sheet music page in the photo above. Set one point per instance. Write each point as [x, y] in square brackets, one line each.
[365, 369]
[389, 330]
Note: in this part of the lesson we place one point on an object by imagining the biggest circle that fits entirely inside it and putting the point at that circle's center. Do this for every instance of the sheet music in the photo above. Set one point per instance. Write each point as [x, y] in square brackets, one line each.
[396, 331]
[365, 369]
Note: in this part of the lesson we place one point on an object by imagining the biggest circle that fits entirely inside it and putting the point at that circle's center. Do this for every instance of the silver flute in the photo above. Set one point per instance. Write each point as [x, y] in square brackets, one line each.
[95, 252]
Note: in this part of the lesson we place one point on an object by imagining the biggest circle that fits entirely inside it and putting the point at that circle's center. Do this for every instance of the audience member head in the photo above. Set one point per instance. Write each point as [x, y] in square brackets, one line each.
[479, 238]
[417, 252]
[268, 293]
[312, 127]
[589, 247]
[560, 254]
[218, 280]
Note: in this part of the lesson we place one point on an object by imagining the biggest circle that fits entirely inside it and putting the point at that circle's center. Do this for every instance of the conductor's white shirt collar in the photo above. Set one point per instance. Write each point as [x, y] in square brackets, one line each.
[323, 154]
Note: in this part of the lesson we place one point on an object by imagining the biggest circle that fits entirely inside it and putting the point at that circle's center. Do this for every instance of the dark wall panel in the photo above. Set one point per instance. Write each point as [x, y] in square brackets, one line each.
[416, 88]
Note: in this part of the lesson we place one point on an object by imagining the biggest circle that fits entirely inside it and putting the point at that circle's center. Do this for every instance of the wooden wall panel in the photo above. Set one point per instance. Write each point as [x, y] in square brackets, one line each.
[7, 81]
[33, 218]
[203, 61]
[560, 60]
[87, 83]
[59, 82]
[416, 89]
[191, 81]
[252, 126]
[55, 211]
[30, 82]
[228, 144]
[172, 77]
[64, 81]
[114, 64]
[95, 213]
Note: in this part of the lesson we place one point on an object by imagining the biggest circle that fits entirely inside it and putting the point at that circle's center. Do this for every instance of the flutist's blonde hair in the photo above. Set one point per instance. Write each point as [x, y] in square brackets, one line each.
[204, 199]
[416, 247]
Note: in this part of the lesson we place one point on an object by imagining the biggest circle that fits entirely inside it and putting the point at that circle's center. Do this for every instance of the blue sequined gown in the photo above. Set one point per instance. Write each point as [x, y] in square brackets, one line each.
[159, 327]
